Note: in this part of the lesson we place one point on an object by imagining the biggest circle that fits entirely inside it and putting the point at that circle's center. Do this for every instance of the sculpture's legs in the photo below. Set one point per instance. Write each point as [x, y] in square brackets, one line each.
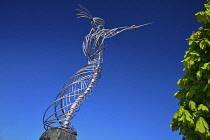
[58, 134]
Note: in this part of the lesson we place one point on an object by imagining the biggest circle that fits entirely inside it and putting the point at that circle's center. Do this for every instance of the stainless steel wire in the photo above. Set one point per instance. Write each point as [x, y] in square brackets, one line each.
[77, 89]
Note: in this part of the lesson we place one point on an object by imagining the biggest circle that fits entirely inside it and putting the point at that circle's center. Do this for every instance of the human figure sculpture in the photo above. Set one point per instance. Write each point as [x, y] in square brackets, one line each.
[76, 90]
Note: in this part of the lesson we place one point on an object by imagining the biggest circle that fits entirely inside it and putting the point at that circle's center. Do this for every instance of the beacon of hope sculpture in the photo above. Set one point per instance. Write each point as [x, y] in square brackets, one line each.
[76, 90]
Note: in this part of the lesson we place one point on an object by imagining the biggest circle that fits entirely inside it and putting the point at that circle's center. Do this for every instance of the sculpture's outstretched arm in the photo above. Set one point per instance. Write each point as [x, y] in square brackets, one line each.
[115, 31]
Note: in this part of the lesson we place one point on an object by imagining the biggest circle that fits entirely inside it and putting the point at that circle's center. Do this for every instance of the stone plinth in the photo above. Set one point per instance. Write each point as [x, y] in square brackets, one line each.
[58, 134]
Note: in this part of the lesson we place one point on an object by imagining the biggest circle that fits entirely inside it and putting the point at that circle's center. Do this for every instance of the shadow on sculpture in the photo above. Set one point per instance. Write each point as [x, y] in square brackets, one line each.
[76, 90]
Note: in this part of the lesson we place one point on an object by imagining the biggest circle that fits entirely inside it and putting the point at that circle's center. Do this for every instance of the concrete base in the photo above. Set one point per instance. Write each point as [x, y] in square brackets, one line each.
[58, 134]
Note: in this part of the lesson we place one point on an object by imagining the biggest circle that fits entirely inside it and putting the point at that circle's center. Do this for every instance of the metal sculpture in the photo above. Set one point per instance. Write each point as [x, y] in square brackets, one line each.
[76, 90]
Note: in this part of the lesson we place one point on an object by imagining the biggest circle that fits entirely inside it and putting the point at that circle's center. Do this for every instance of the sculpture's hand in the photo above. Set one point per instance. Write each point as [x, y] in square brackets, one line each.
[113, 32]
[134, 26]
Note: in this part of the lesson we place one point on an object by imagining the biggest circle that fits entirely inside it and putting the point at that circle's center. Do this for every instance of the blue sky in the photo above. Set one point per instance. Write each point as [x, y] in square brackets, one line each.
[41, 48]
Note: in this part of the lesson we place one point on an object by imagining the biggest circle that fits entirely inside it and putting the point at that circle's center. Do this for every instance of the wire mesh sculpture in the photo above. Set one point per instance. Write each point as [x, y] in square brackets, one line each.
[76, 90]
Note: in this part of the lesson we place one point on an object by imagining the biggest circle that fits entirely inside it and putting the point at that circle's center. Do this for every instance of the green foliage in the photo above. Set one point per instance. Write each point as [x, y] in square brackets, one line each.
[203, 108]
[192, 106]
[192, 119]
[201, 126]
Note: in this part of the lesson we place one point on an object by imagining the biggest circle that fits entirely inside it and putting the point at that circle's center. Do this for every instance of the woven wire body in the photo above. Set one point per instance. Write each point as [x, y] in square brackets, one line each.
[76, 90]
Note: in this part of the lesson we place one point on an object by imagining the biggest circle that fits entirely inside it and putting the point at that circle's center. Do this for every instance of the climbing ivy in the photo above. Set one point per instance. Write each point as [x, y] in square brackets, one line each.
[192, 118]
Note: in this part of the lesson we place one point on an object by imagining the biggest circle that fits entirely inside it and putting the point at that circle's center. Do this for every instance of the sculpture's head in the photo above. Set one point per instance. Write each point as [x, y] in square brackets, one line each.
[96, 22]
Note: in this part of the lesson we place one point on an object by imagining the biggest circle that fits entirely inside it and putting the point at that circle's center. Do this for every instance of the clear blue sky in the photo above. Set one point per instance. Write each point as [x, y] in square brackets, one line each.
[41, 47]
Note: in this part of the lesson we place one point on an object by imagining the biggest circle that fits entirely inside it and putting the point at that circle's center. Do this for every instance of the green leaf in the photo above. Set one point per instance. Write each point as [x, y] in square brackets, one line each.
[198, 17]
[180, 83]
[199, 74]
[174, 126]
[191, 93]
[191, 122]
[182, 118]
[186, 54]
[180, 111]
[188, 61]
[196, 87]
[201, 126]
[208, 93]
[178, 94]
[208, 136]
[203, 108]
[188, 116]
[202, 45]
[191, 62]
[190, 41]
[205, 124]
[206, 66]
[207, 6]
[176, 115]
[195, 56]
[205, 88]
[192, 105]
[206, 40]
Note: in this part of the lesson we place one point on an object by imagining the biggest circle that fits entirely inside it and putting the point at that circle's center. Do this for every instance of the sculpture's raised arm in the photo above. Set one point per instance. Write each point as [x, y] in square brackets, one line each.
[98, 23]
[115, 31]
